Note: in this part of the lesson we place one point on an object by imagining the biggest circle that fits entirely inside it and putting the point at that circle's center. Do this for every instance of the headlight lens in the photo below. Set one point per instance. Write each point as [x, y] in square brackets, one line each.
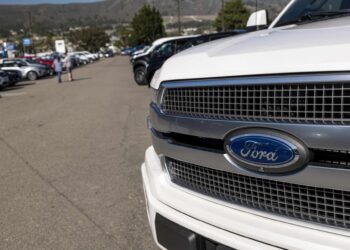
[155, 96]
[156, 89]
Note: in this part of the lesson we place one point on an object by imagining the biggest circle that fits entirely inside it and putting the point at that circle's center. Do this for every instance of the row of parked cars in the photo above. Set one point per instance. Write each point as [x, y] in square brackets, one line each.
[32, 68]
[149, 59]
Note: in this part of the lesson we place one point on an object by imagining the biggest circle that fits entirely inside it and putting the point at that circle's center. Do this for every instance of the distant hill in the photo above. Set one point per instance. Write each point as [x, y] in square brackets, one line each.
[6, 2]
[62, 16]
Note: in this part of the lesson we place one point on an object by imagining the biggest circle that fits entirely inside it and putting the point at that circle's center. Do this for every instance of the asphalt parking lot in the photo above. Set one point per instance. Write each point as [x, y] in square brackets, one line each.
[70, 159]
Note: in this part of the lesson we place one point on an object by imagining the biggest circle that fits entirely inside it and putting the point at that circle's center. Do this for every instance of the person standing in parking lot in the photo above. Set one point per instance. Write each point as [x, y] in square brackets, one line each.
[58, 68]
[69, 66]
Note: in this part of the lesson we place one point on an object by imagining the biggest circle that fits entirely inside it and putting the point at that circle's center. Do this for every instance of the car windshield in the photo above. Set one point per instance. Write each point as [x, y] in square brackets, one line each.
[192, 43]
[303, 11]
[165, 50]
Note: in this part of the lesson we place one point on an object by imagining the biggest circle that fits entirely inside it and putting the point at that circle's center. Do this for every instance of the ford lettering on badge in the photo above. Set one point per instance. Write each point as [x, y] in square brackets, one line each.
[262, 150]
[266, 153]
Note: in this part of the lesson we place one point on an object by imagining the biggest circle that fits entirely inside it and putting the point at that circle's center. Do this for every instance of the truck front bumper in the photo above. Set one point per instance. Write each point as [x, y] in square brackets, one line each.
[197, 219]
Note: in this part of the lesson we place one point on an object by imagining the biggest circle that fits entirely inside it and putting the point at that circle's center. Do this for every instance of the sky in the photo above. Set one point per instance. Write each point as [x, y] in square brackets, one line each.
[45, 1]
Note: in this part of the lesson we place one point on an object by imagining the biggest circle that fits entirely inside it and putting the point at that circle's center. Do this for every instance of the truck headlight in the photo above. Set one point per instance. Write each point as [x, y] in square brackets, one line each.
[157, 90]
[155, 96]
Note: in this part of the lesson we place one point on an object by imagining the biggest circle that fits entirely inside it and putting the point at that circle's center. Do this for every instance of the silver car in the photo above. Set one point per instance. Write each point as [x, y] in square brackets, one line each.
[29, 71]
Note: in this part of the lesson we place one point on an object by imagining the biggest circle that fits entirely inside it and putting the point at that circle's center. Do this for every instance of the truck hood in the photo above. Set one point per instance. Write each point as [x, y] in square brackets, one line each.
[322, 46]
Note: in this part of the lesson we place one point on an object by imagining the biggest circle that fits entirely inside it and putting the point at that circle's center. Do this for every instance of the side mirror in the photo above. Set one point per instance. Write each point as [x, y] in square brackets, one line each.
[257, 20]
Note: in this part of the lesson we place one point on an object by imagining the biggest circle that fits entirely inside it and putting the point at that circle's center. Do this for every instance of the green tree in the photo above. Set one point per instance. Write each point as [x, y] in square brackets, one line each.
[147, 25]
[124, 34]
[90, 39]
[234, 15]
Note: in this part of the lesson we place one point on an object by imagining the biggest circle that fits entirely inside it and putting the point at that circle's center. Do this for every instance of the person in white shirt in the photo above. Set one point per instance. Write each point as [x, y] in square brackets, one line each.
[58, 68]
[68, 62]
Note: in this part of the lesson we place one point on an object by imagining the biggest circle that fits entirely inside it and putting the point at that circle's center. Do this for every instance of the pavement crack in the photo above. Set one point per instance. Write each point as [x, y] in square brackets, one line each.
[61, 194]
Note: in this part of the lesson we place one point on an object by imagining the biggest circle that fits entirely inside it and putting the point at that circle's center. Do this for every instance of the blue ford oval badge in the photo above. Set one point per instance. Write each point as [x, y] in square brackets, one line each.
[267, 153]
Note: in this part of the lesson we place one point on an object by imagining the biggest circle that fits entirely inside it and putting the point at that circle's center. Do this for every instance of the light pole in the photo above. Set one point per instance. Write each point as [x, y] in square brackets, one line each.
[179, 16]
[30, 30]
[223, 28]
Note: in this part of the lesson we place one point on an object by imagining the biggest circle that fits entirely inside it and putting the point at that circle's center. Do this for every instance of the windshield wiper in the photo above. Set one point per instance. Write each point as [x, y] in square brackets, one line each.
[316, 16]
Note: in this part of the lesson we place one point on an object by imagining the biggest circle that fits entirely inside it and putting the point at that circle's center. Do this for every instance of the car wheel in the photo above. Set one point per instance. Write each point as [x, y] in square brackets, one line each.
[140, 76]
[32, 76]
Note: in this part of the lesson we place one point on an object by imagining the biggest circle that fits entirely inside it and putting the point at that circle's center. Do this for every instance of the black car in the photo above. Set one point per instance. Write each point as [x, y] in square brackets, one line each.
[144, 75]
[14, 76]
[208, 38]
[4, 80]
[157, 56]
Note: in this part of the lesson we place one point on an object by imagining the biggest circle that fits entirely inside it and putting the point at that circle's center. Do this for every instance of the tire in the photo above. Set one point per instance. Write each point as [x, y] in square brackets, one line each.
[140, 76]
[32, 76]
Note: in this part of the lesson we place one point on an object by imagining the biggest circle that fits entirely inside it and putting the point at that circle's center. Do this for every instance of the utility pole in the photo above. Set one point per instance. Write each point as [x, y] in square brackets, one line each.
[223, 28]
[30, 28]
[179, 16]
[30, 22]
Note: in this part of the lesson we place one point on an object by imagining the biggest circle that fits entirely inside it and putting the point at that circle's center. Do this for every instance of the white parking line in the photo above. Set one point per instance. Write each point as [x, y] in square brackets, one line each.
[12, 94]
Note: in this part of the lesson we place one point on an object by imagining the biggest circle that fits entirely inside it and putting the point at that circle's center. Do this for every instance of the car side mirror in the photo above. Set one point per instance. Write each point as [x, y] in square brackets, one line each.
[257, 20]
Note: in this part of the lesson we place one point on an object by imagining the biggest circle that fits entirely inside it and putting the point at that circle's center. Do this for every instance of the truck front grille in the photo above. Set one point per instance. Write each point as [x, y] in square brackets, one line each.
[319, 205]
[321, 103]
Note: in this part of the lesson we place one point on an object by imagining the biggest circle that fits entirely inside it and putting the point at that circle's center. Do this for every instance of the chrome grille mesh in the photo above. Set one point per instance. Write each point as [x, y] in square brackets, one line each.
[319, 205]
[288, 103]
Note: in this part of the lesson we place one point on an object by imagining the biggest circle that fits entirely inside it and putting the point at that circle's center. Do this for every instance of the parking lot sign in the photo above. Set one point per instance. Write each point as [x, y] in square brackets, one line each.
[60, 46]
[27, 42]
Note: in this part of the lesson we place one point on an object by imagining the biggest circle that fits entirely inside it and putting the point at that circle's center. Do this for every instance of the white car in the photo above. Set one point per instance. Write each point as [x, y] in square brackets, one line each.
[92, 57]
[251, 137]
[82, 57]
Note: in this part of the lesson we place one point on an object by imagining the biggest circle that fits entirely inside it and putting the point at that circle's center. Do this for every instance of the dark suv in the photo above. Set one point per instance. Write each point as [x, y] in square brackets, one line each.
[157, 55]
[155, 60]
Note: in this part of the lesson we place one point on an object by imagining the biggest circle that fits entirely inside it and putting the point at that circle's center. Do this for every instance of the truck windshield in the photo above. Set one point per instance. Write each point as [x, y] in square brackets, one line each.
[304, 11]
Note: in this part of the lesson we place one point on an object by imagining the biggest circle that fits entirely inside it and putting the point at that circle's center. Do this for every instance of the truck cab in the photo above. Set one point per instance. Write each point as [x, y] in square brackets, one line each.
[250, 137]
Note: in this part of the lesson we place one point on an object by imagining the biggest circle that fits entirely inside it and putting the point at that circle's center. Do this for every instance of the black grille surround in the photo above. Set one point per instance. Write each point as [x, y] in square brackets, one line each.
[327, 158]
[309, 103]
[328, 207]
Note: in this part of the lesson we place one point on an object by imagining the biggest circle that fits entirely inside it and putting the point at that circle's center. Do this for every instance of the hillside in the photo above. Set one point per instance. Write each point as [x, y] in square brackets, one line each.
[46, 17]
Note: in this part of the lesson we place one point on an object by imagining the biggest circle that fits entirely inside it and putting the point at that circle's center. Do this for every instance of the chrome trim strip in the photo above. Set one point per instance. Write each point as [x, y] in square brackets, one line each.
[310, 176]
[253, 80]
[313, 135]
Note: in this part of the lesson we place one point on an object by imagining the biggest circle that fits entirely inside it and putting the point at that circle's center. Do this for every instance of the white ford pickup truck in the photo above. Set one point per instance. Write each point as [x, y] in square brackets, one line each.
[251, 137]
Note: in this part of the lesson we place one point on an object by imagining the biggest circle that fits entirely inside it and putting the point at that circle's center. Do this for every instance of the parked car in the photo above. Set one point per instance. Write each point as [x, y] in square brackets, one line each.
[109, 53]
[83, 58]
[28, 71]
[209, 38]
[136, 49]
[161, 49]
[4, 80]
[251, 137]
[49, 61]
[90, 56]
[34, 62]
[14, 76]
[156, 61]
[126, 51]
[141, 51]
